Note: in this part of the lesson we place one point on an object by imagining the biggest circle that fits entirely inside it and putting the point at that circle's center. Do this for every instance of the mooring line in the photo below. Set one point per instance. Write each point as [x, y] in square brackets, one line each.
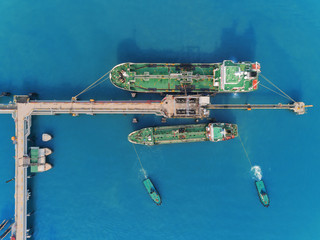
[277, 87]
[245, 150]
[274, 91]
[139, 160]
[92, 85]
[98, 84]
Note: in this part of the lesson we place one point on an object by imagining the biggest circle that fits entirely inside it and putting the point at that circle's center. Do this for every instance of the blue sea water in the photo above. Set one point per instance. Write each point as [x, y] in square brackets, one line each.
[57, 48]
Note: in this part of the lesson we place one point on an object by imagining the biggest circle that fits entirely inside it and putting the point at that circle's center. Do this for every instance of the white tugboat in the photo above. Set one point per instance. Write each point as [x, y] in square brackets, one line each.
[46, 137]
[47, 151]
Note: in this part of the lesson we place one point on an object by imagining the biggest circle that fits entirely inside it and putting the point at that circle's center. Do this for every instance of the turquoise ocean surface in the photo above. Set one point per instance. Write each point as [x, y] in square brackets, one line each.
[95, 191]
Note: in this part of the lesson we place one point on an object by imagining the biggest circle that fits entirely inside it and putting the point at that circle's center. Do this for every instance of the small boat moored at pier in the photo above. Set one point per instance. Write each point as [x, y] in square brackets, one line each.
[262, 192]
[153, 193]
[46, 137]
[47, 151]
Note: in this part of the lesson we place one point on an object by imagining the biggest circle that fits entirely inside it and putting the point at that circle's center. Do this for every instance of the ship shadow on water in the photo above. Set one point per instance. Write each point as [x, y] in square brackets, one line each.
[64, 91]
[233, 45]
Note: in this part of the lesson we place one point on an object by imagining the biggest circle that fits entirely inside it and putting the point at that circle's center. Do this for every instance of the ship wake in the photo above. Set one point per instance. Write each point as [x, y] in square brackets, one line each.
[256, 172]
[144, 172]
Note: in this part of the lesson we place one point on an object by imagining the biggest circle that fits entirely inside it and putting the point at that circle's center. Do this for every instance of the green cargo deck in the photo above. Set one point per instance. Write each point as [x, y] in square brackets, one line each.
[171, 134]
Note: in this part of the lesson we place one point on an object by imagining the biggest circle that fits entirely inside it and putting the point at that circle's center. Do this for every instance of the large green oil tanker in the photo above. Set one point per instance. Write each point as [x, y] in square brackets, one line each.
[224, 77]
[214, 132]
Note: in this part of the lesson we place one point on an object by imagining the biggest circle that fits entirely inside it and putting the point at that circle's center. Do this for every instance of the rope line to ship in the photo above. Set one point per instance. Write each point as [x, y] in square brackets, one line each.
[96, 83]
[245, 151]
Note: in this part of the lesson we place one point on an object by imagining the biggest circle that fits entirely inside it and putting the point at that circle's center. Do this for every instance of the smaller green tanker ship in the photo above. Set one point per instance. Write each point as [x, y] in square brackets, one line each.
[262, 192]
[152, 191]
[213, 132]
[224, 77]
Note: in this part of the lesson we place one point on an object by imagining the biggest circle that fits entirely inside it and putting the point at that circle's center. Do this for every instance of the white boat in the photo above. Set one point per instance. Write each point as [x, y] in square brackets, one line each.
[46, 137]
[47, 151]
[44, 167]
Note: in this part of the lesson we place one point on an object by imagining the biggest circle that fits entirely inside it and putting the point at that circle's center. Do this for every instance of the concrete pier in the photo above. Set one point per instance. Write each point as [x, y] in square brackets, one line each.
[22, 125]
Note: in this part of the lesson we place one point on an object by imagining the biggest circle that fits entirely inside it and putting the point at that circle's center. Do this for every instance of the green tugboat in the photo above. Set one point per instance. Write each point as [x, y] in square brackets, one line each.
[262, 191]
[213, 132]
[153, 193]
[224, 77]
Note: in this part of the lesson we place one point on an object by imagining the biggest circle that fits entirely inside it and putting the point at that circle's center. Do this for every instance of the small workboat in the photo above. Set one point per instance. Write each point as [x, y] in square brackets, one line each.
[46, 137]
[44, 167]
[262, 191]
[3, 224]
[47, 151]
[152, 191]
